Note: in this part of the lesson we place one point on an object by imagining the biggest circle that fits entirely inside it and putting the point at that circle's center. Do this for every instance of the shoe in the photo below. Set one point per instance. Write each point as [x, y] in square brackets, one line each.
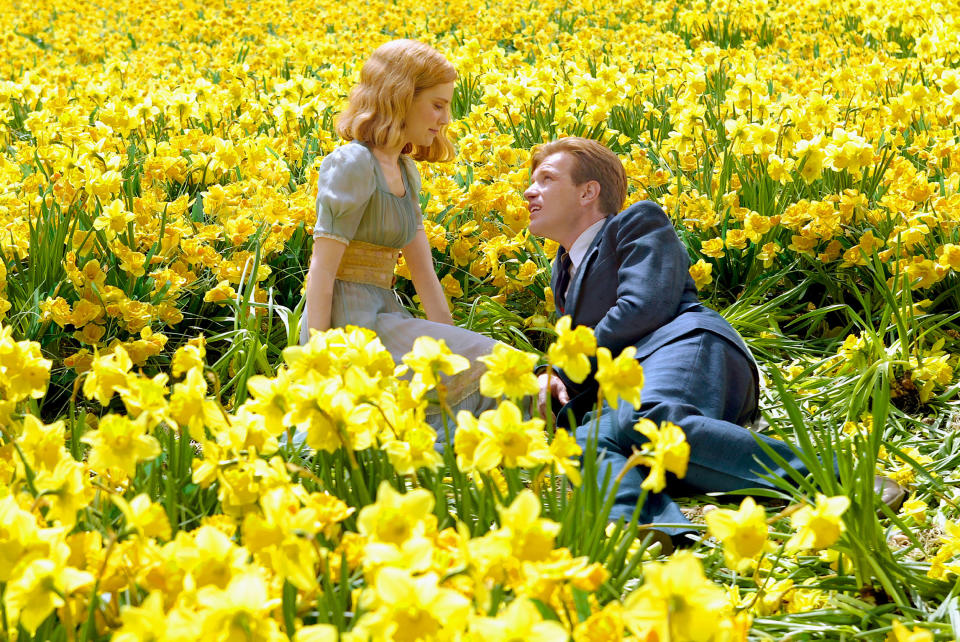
[657, 537]
[686, 539]
[890, 492]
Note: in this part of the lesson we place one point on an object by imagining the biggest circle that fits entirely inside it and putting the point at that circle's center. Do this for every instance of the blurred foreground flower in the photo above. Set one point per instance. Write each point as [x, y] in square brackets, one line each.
[667, 451]
[429, 358]
[509, 373]
[572, 350]
[520, 620]
[818, 526]
[676, 602]
[620, 378]
[497, 437]
[901, 633]
[742, 532]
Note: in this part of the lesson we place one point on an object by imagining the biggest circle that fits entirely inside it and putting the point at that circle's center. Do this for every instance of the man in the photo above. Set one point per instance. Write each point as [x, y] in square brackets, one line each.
[627, 276]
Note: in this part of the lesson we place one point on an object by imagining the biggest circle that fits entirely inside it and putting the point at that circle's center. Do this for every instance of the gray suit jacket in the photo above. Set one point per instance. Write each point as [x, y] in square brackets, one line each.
[634, 289]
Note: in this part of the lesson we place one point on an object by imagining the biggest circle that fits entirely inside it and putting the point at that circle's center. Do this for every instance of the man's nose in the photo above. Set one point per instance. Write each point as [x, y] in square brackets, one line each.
[529, 193]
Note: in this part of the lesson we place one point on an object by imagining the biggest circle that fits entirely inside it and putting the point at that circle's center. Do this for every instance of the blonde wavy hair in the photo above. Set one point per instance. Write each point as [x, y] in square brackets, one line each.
[389, 81]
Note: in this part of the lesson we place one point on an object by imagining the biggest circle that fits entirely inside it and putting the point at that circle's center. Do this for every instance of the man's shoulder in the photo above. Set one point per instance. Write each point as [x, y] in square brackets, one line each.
[642, 214]
[636, 222]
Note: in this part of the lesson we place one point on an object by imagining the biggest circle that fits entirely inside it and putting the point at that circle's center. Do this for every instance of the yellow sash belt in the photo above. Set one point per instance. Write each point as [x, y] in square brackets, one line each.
[368, 263]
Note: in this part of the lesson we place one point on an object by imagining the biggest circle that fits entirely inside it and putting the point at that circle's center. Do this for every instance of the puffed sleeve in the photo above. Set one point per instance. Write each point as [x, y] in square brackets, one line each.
[345, 183]
[415, 184]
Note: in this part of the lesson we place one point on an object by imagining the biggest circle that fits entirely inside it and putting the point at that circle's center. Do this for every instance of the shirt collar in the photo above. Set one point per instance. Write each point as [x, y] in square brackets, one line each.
[579, 248]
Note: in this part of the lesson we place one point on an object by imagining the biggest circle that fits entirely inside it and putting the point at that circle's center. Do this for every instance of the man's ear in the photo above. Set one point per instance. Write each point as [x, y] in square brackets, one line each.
[589, 192]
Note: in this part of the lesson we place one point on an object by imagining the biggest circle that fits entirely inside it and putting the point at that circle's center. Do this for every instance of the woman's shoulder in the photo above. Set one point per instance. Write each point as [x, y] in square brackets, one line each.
[412, 172]
[410, 164]
[352, 156]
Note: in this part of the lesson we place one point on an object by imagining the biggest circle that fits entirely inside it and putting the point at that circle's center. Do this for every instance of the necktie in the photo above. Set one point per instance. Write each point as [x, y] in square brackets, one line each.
[563, 280]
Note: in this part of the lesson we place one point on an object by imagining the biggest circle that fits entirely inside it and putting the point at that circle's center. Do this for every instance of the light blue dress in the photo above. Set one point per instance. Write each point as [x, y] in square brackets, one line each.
[355, 203]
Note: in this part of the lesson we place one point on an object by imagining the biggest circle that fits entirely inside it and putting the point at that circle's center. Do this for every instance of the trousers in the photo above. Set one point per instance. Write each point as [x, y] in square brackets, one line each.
[705, 385]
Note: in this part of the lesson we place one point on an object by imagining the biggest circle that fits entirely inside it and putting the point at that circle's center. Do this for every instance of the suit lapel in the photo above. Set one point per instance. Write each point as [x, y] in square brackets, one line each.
[573, 295]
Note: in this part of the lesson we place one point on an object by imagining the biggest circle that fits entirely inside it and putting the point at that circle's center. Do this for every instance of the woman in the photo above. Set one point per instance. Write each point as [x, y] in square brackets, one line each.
[368, 210]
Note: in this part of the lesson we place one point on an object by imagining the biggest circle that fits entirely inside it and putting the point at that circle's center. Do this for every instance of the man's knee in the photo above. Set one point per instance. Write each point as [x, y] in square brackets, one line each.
[656, 410]
[602, 431]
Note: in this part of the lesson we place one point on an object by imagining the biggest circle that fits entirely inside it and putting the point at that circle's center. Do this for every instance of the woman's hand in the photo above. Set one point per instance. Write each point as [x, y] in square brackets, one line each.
[324, 263]
[424, 275]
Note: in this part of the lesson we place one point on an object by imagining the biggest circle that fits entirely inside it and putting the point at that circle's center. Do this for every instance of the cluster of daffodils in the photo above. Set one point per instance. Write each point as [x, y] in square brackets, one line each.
[175, 515]
[157, 180]
[149, 178]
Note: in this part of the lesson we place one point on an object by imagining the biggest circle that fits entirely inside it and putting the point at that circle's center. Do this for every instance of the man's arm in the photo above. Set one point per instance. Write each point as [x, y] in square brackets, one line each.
[654, 268]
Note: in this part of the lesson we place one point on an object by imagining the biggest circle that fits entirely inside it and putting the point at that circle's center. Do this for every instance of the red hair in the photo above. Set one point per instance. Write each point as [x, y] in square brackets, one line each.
[592, 161]
[389, 80]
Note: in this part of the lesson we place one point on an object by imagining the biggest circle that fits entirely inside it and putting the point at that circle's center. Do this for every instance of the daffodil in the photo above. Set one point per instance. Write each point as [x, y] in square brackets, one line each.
[119, 442]
[676, 602]
[24, 372]
[145, 622]
[516, 442]
[620, 378]
[509, 373]
[189, 356]
[21, 538]
[317, 633]
[742, 532]
[572, 350]
[239, 610]
[915, 508]
[819, 526]
[431, 357]
[564, 451]
[106, 374]
[395, 517]
[530, 536]
[901, 633]
[403, 607]
[702, 274]
[113, 219]
[144, 517]
[190, 408]
[602, 626]
[666, 451]
[520, 620]
[43, 585]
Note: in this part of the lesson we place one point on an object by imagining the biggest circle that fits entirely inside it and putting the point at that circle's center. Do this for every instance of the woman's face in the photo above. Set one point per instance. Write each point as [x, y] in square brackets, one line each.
[429, 112]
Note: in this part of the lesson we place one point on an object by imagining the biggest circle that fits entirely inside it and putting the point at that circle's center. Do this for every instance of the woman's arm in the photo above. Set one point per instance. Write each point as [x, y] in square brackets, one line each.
[420, 262]
[324, 263]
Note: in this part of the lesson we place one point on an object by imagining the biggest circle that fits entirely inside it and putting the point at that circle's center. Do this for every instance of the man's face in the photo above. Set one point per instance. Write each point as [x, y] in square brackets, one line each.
[554, 200]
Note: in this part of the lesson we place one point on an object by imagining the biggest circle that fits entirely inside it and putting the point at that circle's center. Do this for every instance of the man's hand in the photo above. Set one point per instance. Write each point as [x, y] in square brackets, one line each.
[551, 386]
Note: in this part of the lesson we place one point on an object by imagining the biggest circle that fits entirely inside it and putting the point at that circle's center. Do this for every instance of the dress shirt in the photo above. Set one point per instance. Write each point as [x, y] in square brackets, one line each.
[579, 248]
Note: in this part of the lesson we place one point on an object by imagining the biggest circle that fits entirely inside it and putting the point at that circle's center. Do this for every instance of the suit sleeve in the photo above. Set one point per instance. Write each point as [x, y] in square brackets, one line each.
[654, 268]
